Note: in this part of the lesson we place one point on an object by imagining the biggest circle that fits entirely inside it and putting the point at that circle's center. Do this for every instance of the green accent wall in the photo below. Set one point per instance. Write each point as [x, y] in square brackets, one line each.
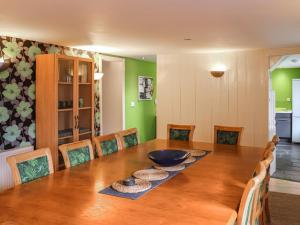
[143, 115]
[282, 85]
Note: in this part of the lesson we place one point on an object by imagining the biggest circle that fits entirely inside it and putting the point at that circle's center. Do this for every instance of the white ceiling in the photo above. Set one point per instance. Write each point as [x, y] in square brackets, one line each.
[149, 27]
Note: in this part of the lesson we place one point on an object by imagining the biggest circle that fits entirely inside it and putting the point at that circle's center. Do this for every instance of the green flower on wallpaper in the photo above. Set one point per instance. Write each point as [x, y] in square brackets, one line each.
[11, 91]
[31, 91]
[97, 118]
[24, 109]
[84, 55]
[12, 133]
[69, 52]
[25, 144]
[4, 75]
[12, 49]
[33, 51]
[31, 130]
[3, 114]
[97, 58]
[24, 69]
[97, 87]
[53, 49]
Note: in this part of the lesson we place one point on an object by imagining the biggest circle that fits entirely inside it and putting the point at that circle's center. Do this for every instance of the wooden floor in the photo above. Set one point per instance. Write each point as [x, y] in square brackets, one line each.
[284, 186]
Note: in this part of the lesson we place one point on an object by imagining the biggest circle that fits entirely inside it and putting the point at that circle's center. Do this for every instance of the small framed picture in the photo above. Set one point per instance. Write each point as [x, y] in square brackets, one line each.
[145, 88]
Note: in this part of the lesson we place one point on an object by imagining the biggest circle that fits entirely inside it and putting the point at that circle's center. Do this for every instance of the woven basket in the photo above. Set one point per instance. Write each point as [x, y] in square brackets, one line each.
[140, 186]
[197, 153]
[151, 174]
[171, 168]
[190, 159]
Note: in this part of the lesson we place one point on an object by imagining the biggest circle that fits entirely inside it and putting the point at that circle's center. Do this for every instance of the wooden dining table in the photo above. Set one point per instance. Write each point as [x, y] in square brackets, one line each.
[206, 193]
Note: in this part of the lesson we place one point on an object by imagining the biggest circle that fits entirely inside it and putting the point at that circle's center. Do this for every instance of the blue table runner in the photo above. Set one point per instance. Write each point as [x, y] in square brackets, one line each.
[110, 191]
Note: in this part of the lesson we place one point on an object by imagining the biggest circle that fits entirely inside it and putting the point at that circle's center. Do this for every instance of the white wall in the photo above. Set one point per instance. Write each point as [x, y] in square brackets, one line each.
[188, 94]
[113, 99]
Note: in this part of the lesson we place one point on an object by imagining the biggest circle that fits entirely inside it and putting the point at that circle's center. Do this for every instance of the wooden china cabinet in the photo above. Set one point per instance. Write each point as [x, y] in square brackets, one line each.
[64, 101]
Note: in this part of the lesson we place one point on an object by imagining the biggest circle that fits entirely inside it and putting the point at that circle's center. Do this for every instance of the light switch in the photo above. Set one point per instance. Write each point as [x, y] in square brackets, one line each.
[132, 104]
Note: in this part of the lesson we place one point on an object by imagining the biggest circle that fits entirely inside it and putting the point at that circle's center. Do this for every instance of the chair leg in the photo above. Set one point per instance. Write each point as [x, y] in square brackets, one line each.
[267, 212]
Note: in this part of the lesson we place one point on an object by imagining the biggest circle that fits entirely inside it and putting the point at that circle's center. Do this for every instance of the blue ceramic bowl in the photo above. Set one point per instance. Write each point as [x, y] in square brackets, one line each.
[168, 157]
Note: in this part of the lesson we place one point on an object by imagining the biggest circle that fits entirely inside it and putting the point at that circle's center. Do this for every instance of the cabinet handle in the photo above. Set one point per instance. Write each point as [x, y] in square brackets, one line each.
[77, 118]
[76, 122]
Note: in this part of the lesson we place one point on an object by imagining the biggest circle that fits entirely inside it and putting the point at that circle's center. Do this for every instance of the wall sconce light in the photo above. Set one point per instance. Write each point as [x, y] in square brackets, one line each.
[217, 73]
[218, 70]
[99, 74]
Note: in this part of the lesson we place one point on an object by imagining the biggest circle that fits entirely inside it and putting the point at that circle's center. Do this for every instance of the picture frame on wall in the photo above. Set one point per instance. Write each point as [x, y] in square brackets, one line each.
[145, 88]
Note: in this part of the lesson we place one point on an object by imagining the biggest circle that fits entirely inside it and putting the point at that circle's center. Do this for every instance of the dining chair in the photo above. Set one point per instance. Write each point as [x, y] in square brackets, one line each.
[30, 166]
[128, 138]
[106, 144]
[268, 158]
[180, 132]
[275, 139]
[227, 135]
[77, 152]
[245, 213]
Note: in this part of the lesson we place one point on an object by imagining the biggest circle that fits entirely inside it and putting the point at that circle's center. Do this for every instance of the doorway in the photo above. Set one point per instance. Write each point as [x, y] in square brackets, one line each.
[284, 115]
[113, 95]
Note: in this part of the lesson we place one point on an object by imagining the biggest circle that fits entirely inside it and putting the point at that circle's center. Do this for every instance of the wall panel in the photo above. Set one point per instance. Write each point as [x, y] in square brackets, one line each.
[187, 93]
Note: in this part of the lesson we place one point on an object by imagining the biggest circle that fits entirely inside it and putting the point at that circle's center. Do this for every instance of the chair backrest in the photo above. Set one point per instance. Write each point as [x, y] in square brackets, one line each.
[77, 152]
[246, 210]
[128, 138]
[107, 144]
[260, 194]
[31, 165]
[180, 132]
[275, 140]
[227, 135]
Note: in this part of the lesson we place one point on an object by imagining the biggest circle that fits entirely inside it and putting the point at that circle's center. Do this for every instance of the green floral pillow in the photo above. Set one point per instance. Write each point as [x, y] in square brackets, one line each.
[178, 134]
[227, 137]
[130, 140]
[109, 146]
[79, 155]
[33, 169]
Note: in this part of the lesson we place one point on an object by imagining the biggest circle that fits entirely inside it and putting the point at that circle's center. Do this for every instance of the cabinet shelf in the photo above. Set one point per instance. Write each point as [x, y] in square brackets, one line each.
[66, 137]
[65, 110]
[64, 83]
[85, 83]
[83, 108]
[83, 133]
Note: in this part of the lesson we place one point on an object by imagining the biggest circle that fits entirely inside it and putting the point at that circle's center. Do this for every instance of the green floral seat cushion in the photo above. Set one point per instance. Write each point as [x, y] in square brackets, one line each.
[227, 137]
[178, 134]
[109, 146]
[130, 140]
[79, 155]
[33, 169]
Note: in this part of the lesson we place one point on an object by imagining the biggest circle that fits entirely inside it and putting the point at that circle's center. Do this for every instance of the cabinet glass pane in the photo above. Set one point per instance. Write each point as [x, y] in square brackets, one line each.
[65, 101]
[85, 121]
[66, 70]
[85, 72]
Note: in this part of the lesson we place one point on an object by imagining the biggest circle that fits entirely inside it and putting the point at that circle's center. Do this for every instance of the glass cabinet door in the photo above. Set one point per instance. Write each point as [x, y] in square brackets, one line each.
[66, 113]
[85, 99]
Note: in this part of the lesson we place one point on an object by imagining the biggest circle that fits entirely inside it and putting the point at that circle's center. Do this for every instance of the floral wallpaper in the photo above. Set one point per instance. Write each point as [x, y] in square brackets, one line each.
[17, 89]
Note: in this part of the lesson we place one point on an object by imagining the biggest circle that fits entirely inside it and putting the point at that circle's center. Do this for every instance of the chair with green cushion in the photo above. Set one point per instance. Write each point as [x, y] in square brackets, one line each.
[128, 138]
[180, 132]
[106, 144]
[227, 135]
[30, 166]
[77, 153]
[247, 213]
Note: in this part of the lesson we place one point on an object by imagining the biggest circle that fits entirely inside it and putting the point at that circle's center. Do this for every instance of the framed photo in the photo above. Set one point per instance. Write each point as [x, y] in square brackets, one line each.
[145, 88]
